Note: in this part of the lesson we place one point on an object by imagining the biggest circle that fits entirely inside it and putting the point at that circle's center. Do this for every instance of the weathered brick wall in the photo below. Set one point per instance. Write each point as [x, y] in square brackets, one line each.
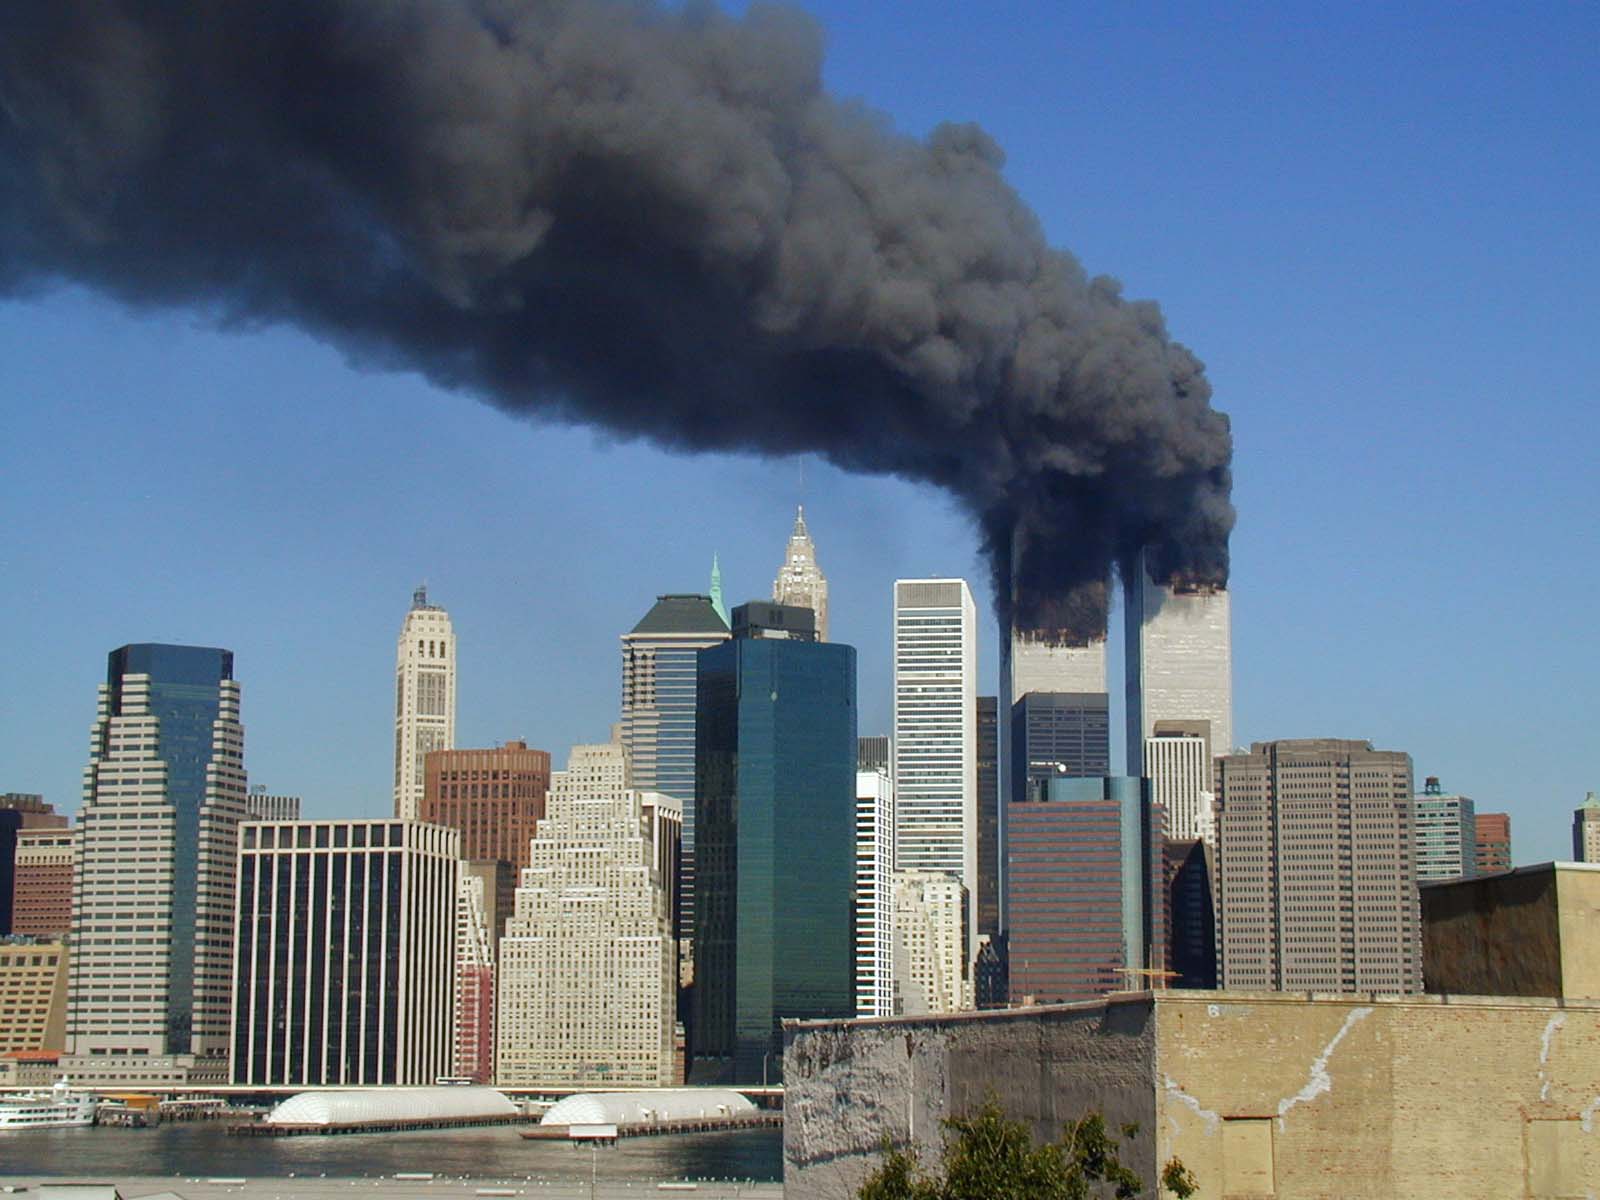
[850, 1085]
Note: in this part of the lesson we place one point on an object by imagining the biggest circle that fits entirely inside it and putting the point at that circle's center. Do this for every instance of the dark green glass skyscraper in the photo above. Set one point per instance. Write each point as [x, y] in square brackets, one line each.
[775, 794]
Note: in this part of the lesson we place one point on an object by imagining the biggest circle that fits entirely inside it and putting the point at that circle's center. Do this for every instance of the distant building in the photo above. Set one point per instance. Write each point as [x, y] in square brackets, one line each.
[345, 955]
[1191, 915]
[33, 994]
[1059, 734]
[800, 580]
[1446, 834]
[874, 900]
[45, 861]
[472, 1035]
[874, 754]
[1493, 842]
[658, 714]
[425, 698]
[931, 973]
[1087, 891]
[1178, 661]
[1178, 765]
[990, 857]
[588, 964]
[1586, 830]
[164, 792]
[19, 812]
[260, 806]
[776, 775]
[935, 733]
[1316, 879]
[768, 619]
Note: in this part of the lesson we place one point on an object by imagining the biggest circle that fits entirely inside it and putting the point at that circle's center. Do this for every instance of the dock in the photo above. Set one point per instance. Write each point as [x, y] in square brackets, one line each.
[264, 1129]
[761, 1119]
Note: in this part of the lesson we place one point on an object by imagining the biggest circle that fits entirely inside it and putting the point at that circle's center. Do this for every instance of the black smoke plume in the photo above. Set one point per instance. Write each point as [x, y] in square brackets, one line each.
[651, 219]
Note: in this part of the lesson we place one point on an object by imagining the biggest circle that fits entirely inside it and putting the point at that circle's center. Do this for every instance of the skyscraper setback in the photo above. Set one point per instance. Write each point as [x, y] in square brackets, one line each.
[800, 581]
[424, 698]
[164, 792]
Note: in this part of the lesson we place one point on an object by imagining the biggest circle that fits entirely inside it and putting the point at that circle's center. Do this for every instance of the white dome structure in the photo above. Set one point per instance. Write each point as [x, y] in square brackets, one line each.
[647, 1107]
[364, 1106]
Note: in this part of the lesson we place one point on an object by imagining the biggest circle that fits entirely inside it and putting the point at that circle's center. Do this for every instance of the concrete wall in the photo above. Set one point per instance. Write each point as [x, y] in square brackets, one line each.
[1277, 1095]
[1578, 909]
[850, 1085]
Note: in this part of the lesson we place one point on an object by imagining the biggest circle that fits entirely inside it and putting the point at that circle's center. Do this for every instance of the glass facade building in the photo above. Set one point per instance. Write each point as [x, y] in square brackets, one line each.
[776, 800]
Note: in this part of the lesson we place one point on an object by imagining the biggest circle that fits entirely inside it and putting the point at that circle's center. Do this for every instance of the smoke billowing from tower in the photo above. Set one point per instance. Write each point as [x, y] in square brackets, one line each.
[649, 219]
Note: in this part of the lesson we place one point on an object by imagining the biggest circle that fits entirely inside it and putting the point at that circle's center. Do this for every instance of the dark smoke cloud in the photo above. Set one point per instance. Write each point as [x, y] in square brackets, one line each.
[653, 220]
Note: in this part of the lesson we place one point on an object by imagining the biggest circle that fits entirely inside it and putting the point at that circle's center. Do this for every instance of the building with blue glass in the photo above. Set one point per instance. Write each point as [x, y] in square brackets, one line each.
[775, 795]
[152, 925]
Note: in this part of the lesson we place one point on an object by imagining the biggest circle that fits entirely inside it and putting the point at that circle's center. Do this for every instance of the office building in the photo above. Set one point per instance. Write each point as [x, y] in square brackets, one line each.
[769, 619]
[1191, 914]
[588, 964]
[260, 805]
[935, 733]
[658, 714]
[1087, 909]
[19, 812]
[1178, 764]
[873, 754]
[424, 698]
[494, 798]
[874, 900]
[1057, 734]
[1586, 830]
[153, 898]
[987, 741]
[346, 943]
[472, 1039]
[776, 795]
[800, 581]
[33, 994]
[33, 811]
[45, 862]
[1493, 842]
[1446, 834]
[931, 972]
[1316, 881]
[1178, 661]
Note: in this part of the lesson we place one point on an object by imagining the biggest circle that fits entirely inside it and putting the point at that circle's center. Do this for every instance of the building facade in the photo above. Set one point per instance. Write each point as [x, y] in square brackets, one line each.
[46, 859]
[343, 965]
[260, 805]
[1586, 830]
[472, 1036]
[800, 581]
[1492, 842]
[935, 733]
[588, 965]
[931, 971]
[153, 893]
[1446, 834]
[990, 863]
[1059, 733]
[424, 698]
[1178, 765]
[1191, 914]
[776, 788]
[874, 899]
[1087, 903]
[33, 994]
[1316, 881]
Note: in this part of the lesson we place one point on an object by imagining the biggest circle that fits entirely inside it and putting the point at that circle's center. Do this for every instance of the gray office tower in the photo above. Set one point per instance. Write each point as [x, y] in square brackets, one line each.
[1316, 884]
[1057, 735]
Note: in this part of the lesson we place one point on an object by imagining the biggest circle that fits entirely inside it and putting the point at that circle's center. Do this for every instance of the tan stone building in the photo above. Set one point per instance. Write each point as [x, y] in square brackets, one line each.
[33, 994]
[1258, 1094]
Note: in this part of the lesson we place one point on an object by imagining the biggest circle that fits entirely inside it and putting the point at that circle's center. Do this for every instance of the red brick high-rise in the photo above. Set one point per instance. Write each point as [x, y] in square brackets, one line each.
[43, 896]
[1494, 842]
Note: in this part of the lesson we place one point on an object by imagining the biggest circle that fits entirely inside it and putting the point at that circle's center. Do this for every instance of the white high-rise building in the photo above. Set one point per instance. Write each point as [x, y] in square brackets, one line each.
[1178, 765]
[588, 965]
[153, 893]
[424, 698]
[874, 911]
[800, 580]
[931, 972]
[935, 737]
[1179, 662]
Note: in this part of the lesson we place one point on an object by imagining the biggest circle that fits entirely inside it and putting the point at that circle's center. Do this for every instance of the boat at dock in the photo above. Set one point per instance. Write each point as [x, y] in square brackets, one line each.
[56, 1108]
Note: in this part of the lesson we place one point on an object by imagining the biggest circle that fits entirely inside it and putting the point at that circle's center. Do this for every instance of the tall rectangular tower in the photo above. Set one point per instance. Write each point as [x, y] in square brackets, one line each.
[1493, 838]
[935, 733]
[1179, 661]
[152, 924]
[424, 698]
[1446, 834]
[874, 902]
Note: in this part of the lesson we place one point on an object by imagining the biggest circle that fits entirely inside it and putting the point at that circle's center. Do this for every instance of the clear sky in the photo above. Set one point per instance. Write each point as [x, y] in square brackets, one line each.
[1377, 228]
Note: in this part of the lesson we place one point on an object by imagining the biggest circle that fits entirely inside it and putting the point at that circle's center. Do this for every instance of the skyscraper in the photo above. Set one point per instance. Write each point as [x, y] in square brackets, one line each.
[424, 698]
[472, 1029]
[152, 921]
[1493, 842]
[1316, 881]
[345, 953]
[931, 972]
[874, 900]
[45, 862]
[1446, 835]
[658, 713]
[588, 965]
[989, 859]
[1586, 830]
[1055, 734]
[1177, 762]
[800, 581]
[1179, 662]
[776, 793]
[935, 733]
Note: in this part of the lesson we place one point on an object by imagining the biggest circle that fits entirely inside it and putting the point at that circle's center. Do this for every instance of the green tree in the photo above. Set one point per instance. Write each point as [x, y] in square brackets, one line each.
[988, 1156]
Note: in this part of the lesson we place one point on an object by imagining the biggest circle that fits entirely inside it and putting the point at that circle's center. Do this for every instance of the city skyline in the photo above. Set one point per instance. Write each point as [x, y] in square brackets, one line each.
[1379, 364]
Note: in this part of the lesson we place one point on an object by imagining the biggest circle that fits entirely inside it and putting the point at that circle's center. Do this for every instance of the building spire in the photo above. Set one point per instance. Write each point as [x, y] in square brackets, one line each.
[716, 590]
[800, 580]
[419, 598]
[800, 522]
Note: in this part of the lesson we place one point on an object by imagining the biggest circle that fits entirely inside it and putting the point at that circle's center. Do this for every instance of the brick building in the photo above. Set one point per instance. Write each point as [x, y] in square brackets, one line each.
[44, 864]
[1493, 842]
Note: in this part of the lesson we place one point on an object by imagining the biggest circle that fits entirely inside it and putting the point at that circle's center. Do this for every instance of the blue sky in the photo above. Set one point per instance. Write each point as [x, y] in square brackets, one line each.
[1375, 226]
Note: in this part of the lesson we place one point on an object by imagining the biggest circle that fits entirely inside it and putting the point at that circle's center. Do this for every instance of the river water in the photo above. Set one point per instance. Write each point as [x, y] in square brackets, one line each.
[204, 1148]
